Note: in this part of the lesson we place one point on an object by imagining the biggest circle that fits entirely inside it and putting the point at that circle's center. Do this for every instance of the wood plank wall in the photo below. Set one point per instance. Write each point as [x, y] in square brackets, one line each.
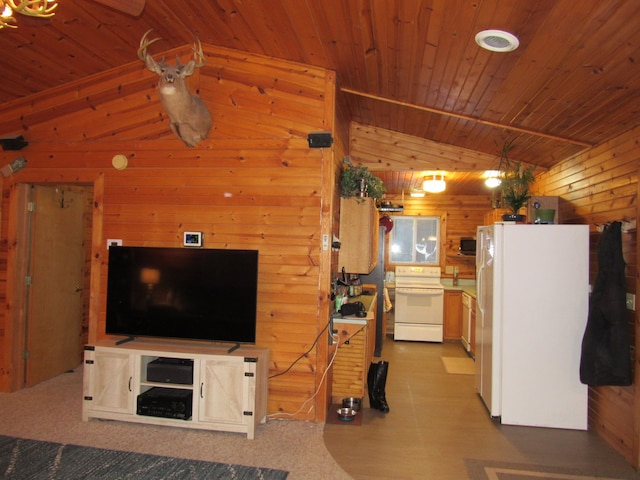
[460, 216]
[597, 187]
[254, 184]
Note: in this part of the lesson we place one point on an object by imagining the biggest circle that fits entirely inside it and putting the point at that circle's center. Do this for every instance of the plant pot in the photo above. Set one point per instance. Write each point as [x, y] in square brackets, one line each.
[514, 217]
[544, 215]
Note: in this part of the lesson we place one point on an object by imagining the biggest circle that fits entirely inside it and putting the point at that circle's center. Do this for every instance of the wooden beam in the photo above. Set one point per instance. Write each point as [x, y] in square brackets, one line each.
[466, 117]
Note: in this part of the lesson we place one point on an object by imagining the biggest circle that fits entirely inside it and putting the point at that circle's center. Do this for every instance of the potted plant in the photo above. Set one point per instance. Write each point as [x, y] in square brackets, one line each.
[516, 184]
[358, 181]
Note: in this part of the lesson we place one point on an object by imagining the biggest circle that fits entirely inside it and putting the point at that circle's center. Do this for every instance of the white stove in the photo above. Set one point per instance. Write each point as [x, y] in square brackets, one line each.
[419, 309]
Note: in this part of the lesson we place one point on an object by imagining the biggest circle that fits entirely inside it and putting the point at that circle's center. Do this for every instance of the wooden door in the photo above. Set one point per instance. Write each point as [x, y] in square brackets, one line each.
[54, 318]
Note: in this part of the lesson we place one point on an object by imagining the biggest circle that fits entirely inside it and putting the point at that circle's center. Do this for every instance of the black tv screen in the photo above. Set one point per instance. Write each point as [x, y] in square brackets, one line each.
[186, 293]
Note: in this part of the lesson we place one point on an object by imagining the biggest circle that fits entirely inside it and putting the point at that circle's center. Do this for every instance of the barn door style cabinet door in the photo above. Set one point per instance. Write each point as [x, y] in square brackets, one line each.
[227, 389]
[108, 381]
[189, 386]
[358, 235]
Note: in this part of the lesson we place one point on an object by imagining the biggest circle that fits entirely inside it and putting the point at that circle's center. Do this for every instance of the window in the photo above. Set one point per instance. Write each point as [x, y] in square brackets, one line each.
[415, 240]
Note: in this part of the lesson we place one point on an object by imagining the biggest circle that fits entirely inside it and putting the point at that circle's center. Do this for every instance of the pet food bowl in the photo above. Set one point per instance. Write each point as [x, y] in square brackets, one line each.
[352, 402]
[346, 414]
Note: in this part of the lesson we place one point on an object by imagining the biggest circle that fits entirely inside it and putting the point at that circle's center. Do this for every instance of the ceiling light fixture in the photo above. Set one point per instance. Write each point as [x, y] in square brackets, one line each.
[31, 8]
[417, 193]
[497, 40]
[435, 184]
[492, 178]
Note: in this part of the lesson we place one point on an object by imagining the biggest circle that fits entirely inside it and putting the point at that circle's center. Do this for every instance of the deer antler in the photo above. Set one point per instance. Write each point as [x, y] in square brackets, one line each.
[34, 8]
[144, 43]
[198, 54]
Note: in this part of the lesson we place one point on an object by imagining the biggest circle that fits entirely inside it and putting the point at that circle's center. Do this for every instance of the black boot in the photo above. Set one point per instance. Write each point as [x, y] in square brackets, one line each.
[380, 384]
[376, 380]
[371, 375]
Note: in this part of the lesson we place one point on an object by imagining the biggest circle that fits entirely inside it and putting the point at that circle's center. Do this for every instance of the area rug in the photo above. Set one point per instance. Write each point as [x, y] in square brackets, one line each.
[459, 365]
[23, 459]
[488, 470]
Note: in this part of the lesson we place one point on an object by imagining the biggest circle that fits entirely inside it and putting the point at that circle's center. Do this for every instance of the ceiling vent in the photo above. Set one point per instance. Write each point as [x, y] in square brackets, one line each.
[497, 40]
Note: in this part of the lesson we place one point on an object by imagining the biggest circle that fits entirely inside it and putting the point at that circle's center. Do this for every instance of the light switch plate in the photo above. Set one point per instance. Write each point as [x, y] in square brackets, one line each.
[631, 302]
[114, 242]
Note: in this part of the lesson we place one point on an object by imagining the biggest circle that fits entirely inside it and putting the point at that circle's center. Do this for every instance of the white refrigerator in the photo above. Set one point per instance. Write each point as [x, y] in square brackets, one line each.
[532, 305]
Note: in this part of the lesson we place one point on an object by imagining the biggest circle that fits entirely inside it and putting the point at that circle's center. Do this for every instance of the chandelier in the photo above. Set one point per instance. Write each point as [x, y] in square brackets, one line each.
[31, 8]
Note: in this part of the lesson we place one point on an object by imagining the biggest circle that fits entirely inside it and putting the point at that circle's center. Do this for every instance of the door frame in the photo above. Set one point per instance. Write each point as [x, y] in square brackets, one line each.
[17, 255]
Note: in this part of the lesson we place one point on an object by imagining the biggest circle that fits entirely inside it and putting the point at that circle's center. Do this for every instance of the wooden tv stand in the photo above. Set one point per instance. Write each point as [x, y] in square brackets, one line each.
[229, 390]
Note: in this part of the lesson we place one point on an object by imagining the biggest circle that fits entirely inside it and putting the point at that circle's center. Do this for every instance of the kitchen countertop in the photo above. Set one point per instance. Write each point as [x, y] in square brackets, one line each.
[367, 301]
[464, 285]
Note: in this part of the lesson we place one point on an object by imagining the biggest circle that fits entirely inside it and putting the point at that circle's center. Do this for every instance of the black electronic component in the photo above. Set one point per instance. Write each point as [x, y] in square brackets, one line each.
[166, 402]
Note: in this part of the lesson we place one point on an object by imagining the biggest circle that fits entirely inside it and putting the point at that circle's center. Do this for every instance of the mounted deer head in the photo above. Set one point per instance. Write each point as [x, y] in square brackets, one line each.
[190, 119]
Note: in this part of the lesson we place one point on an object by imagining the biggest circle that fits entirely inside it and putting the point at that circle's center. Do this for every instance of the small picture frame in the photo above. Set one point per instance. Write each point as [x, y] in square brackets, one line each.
[192, 239]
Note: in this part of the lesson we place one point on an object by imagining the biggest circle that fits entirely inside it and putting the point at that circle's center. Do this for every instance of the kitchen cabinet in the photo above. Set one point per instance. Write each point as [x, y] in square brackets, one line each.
[226, 391]
[355, 353]
[468, 323]
[452, 328]
[472, 321]
[545, 202]
[494, 215]
[358, 235]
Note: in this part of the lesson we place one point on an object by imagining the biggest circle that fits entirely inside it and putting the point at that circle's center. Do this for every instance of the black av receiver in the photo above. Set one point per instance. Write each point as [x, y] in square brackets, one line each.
[166, 402]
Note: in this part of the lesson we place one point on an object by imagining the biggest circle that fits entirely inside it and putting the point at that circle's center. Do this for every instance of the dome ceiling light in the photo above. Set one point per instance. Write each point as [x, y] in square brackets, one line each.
[492, 178]
[497, 40]
[434, 183]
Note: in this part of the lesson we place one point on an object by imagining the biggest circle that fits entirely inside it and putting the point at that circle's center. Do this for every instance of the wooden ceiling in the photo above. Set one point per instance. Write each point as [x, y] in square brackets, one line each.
[410, 67]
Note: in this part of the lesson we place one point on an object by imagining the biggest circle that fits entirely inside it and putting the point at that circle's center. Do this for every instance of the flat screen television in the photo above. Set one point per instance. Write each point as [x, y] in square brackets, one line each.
[185, 293]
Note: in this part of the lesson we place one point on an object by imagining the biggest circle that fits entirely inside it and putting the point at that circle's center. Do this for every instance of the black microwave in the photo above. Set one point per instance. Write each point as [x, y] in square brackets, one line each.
[467, 246]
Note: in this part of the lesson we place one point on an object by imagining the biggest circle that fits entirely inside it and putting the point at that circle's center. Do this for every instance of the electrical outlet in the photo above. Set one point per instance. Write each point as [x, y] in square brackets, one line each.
[631, 302]
[448, 269]
[325, 242]
[114, 242]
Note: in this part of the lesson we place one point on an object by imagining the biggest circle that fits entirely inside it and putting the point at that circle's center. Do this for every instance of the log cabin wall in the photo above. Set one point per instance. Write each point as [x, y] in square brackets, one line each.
[253, 184]
[460, 216]
[597, 187]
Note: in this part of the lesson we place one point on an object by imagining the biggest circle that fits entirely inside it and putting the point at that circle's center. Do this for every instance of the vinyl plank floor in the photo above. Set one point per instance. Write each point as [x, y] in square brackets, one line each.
[438, 428]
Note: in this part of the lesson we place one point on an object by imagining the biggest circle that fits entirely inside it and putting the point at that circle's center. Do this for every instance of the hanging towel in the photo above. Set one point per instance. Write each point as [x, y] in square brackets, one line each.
[387, 301]
[606, 350]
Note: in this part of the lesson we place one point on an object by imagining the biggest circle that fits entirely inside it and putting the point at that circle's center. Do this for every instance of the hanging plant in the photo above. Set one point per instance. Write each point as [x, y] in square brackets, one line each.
[358, 181]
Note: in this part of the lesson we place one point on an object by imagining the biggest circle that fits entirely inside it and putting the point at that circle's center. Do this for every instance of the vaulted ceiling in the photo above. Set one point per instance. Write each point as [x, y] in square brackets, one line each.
[410, 67]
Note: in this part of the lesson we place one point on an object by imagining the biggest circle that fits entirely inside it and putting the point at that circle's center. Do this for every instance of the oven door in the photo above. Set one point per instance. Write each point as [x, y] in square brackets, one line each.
[419, 305]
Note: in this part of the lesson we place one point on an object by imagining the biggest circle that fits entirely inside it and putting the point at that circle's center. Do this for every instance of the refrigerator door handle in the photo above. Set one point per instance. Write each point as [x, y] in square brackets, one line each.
[479, 297]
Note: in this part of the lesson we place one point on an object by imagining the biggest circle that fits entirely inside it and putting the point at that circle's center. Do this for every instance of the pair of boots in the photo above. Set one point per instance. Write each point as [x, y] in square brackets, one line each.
[376, 381]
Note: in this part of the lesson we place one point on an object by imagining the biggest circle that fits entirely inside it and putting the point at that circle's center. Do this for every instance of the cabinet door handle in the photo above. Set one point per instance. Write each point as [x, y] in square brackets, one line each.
[130, 378]
[202, 390]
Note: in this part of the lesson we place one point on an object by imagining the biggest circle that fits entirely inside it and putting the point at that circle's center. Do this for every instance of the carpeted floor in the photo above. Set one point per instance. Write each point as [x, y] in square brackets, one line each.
[33, 459]
[51, 411]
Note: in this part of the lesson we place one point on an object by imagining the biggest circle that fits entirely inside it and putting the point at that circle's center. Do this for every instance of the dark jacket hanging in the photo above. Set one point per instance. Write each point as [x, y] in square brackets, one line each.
[605, 346]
